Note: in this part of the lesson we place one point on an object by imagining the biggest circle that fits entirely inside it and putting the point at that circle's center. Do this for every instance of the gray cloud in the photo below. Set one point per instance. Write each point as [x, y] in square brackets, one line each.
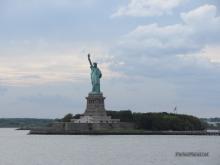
[171, 50]
[50, 100]
[191, 35]
[175, 55]
[141, 8]
[44, 101]
[3, 90]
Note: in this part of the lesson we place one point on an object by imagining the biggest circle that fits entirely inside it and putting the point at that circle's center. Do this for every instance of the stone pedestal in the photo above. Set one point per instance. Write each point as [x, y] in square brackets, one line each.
[95, 111]
[95, 105]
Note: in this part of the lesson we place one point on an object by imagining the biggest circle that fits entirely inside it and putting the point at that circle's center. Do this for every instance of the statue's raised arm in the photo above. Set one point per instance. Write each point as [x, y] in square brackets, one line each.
[90, 62]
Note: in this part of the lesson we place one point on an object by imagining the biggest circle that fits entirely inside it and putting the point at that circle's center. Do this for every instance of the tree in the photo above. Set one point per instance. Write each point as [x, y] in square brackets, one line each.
[68, 117]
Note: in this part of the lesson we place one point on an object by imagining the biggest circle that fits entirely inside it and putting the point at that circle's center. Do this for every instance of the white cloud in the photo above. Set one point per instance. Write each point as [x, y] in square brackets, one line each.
[147, 7]
[200, 15]
[199, 27]
[29, 64]
[155, 40]
[212, 53]
[3, 90]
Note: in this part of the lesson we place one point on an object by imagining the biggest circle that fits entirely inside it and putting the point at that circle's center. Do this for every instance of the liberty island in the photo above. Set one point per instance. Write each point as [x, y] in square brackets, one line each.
[95, 119]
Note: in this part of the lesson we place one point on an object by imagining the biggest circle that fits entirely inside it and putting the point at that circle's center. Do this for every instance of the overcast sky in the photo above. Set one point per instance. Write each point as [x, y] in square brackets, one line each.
[154, 55]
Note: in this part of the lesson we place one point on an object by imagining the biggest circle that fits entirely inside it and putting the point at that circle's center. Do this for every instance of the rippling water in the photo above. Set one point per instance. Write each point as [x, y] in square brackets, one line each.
[18, 148]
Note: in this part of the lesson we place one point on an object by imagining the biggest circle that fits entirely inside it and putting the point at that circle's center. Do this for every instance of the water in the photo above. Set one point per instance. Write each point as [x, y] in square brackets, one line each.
[18, 148]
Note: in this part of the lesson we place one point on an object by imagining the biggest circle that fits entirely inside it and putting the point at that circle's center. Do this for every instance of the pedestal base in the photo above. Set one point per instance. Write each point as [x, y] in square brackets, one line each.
[95, 111]
[95, 105]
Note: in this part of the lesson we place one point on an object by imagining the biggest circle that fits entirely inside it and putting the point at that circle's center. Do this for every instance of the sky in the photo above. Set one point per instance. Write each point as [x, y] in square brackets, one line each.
[154, 55]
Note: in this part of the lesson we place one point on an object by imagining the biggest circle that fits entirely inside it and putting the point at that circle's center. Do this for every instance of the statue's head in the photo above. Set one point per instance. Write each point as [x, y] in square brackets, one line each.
[95, 64]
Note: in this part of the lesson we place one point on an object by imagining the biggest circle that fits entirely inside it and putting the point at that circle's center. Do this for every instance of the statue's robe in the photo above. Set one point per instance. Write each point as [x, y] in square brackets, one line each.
[95, 78]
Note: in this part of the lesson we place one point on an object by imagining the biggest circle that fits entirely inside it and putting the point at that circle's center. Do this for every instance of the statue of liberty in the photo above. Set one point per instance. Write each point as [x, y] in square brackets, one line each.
[95, 76]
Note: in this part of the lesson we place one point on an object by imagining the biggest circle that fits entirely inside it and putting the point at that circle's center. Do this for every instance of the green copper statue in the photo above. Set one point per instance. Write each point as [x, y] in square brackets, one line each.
[95, 76]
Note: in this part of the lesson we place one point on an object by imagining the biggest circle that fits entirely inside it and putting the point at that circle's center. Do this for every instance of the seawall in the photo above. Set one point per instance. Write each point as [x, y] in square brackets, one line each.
[122, 128]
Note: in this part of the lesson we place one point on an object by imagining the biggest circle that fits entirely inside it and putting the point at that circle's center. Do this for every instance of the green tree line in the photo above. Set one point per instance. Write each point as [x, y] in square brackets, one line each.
[23, 122]
[160, 121]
